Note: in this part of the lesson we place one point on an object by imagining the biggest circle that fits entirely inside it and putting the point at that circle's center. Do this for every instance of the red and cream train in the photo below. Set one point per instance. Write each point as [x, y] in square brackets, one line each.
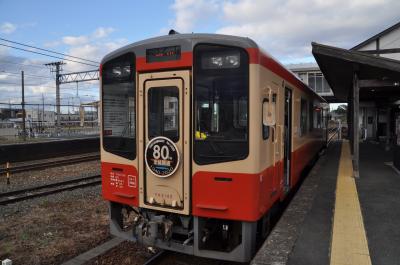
[201, 135]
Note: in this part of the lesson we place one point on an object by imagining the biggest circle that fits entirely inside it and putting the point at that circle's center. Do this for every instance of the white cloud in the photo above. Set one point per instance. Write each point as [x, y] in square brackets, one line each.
[78, 40]
[51, 44]
[190, 12]
[102, 32]
[92, 51]
[7, 28]
[287, 28]
[99, 33]
[92, 46]
[3, 76]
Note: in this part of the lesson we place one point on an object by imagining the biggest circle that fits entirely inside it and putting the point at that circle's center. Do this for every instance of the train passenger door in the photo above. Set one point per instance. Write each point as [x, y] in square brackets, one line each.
[164, 133]
[287, 153]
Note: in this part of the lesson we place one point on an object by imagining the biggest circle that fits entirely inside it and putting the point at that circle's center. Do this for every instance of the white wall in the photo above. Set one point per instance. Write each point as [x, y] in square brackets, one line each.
[388, 41]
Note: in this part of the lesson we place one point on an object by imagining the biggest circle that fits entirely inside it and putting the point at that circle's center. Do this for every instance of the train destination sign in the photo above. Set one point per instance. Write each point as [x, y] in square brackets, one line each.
[163, 54]
[162, 157]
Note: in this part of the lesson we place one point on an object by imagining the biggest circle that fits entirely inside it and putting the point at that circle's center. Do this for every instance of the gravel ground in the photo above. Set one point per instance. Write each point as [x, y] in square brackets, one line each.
[129, 253]
[49, 175]
[55, 228]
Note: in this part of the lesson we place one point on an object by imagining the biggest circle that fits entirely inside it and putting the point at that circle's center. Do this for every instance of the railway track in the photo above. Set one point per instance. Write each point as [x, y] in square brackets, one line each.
[44, 190]
[47, 164]
[332, 132]
[156, 258]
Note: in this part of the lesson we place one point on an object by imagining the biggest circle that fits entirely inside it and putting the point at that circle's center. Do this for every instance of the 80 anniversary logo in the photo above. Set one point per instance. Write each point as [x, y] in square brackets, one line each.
[162, 157]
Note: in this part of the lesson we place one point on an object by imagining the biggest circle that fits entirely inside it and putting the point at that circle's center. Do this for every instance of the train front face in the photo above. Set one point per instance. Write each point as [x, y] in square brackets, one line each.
[176, 146]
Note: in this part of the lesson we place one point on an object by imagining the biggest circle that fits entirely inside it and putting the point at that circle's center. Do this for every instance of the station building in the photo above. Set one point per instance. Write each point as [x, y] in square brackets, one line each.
[367, 77]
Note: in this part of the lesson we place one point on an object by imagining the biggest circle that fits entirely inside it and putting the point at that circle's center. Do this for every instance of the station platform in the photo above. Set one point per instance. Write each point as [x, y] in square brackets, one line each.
[337, 219]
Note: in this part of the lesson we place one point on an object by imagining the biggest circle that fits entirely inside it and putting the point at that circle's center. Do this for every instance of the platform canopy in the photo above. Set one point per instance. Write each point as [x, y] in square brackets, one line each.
[379, 77]
[356, 76]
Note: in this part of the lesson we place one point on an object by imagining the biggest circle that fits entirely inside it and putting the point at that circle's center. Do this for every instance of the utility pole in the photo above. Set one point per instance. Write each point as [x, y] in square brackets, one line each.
[38, 118]
[43, 124]
[23, 106]
[56, 67]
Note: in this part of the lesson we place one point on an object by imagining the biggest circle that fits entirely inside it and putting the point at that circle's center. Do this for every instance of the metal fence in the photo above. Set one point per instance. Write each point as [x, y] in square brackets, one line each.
[35, 122]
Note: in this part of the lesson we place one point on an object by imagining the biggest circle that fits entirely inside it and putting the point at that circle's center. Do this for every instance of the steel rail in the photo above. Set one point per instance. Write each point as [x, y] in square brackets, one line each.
[47, 164]
[156, 257]
[332, 133]
[47, 189]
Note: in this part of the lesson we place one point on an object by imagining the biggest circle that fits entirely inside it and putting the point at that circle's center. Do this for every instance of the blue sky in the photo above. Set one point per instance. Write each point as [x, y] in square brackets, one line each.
[44, 22]
[91, 29]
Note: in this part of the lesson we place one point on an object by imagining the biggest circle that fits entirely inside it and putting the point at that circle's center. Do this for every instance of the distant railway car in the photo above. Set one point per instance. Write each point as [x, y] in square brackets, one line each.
[201, 135]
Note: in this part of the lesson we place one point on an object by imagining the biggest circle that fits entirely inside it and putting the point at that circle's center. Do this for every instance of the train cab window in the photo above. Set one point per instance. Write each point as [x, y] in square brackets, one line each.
[221, 95]
[303, 117]
[118, 105]
[163, 112]
[318, 118]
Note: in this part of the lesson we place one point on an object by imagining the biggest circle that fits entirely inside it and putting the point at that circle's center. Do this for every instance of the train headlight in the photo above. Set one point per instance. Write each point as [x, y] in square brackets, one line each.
[220, 60]
[120, 71]
[116, 71]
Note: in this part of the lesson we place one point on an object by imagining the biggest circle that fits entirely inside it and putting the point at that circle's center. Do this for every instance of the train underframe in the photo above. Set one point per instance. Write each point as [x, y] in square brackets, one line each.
[200, 236]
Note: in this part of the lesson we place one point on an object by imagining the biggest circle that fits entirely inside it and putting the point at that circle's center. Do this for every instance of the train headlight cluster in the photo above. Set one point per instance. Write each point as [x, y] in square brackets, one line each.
[121, 71]
[220, 60]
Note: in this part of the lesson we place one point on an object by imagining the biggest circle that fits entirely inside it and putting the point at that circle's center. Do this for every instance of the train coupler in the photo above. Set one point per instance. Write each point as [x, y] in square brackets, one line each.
[147, 231]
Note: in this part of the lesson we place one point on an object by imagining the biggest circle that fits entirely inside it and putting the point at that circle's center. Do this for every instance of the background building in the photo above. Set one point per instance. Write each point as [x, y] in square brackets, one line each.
[310, 74]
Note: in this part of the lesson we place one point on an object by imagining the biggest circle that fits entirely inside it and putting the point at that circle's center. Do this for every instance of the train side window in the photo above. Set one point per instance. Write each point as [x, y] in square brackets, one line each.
[265, 128]
[303, 117]
[311, 117]
[317, 117]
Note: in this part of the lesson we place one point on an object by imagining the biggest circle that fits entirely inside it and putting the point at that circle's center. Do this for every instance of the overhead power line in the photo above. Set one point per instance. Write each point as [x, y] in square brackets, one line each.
[34, 76]
[26, 50]
[28, 65]
[46, 50]
[14, 83]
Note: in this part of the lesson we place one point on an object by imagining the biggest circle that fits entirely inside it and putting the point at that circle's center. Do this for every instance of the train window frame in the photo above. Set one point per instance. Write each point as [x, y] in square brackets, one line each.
[265, 128]
[303, 116]
[127, 147]
[311, 110]
[238, 149]
[161, 120]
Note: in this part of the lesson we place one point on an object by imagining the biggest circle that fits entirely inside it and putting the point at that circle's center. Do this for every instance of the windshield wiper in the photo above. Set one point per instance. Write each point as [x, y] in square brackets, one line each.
[215, 148]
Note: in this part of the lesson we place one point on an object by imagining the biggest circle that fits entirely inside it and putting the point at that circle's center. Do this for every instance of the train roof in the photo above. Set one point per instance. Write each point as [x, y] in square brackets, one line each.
[188, 41]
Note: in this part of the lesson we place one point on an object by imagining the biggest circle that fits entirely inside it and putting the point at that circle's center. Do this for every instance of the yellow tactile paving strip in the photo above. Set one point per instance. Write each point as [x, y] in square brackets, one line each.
[349, 242]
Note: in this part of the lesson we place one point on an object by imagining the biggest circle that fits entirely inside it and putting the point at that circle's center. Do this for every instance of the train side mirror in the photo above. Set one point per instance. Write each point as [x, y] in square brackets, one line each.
[269, 118]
